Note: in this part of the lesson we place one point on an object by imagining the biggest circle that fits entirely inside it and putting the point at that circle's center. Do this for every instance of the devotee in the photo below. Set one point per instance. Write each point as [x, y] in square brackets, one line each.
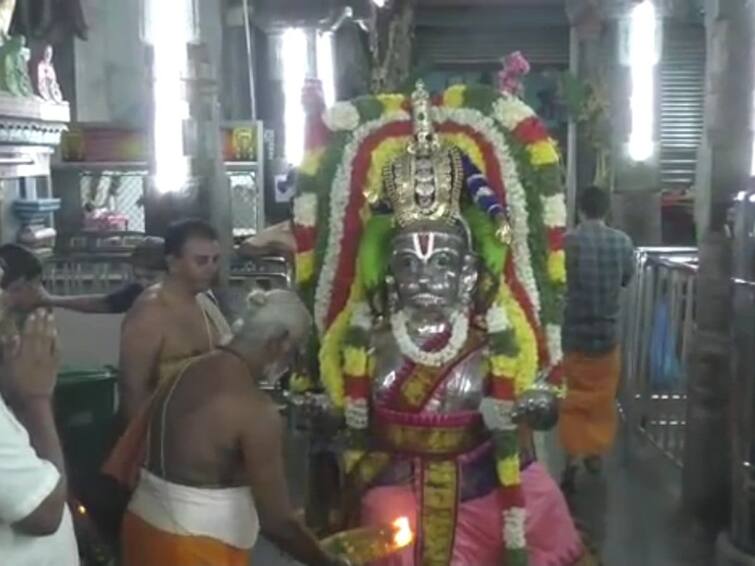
[147, 266]
[175, 320]
[214, 474]
[600, 261]
[36, 528]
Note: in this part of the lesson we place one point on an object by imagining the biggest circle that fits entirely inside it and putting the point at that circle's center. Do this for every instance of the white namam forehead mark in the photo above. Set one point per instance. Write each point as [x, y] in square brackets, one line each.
[424, 245]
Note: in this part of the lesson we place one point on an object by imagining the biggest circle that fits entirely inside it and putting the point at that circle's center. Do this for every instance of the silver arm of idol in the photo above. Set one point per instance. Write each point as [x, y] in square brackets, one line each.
[537, 407]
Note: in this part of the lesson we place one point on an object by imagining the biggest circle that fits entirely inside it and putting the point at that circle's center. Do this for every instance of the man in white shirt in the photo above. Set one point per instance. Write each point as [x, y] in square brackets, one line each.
[35, 524]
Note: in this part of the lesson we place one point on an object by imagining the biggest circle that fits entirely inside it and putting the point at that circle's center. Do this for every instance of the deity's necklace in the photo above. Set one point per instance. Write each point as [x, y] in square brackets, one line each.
[436, 357]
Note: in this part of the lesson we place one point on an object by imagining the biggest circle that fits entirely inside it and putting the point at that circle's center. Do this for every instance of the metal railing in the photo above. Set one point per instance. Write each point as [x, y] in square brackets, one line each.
[84, 273]
[657, 325]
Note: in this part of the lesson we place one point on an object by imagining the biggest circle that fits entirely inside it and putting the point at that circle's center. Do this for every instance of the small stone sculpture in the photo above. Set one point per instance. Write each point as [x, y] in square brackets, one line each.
[45, 77]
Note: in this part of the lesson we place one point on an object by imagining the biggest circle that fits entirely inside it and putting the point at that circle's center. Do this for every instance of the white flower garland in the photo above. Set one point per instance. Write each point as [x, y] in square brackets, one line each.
[514, 521]
[510, 111]
[357, 414]
[515, 195]
[497, 414]
[459, 332]
[341, 116]
[497, 320]
[361, 316]
[553, 335]
[305, 210]
[554, 211]
[339, 201]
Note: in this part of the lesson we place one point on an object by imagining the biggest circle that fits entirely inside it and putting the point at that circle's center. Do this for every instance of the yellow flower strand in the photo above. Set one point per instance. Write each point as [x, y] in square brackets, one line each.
[391, 102]
[305, 266]
[311, 162]
[355, 361]
[468, 146]
[527, 358]
[508, 471]
[454, 96]
[543, 153]
[557, 267]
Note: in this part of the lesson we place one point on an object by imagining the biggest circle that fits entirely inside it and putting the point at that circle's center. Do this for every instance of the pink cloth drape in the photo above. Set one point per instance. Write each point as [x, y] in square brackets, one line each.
[551, 536]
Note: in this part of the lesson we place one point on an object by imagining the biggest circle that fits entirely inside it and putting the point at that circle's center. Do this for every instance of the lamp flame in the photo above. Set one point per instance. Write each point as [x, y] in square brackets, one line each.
[402, 535]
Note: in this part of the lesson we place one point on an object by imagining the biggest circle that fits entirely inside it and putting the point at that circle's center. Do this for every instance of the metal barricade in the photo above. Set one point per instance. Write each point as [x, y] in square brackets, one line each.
[657, 325]
[85, 273]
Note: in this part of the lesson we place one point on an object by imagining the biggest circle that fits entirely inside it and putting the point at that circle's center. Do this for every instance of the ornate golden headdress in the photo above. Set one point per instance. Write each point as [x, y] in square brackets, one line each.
[424, 183]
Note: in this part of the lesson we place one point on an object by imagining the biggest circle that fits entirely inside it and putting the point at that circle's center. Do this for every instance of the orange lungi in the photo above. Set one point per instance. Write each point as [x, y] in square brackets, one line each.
[587, 423]
[144, 545]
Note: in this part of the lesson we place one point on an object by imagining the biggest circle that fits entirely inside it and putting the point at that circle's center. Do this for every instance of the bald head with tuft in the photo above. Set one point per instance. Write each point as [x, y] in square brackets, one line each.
[270, 317]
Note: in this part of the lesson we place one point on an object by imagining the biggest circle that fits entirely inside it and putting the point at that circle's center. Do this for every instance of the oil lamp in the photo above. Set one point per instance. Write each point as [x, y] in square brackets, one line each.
[365, 544]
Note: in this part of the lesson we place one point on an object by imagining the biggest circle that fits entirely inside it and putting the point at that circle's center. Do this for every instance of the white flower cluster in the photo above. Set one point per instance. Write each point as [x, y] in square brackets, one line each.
[554, 211]
[514, 528]
[357, 413]
[305, 210]
[459, 332]
[553, 334]
[510, 111]
[341, 116]
[497, 319]
[361, 316]
[515, 195]
[339, 201]
[497, 414]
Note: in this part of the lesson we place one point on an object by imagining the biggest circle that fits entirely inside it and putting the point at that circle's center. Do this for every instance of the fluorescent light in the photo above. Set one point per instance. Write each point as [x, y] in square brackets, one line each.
[642, 59]
[379, 3]
[168, 21]
[294, 56]
[325, 67]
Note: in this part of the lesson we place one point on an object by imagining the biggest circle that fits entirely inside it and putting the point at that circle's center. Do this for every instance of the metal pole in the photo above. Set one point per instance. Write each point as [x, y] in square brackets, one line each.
[250, 61]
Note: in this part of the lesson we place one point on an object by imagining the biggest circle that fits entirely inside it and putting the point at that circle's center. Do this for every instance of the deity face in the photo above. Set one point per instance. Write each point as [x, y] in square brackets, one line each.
[433, 270]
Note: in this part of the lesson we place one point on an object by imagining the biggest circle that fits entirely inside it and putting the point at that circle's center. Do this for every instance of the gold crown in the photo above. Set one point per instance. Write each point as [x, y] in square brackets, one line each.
[425, 181]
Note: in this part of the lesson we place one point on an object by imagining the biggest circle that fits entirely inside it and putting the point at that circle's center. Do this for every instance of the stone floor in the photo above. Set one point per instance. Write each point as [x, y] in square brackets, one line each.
[630, 512]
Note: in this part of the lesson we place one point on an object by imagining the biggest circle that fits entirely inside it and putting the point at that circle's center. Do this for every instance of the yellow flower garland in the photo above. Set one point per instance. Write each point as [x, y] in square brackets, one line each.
[557, 267]
[311, 162]
[543, 153]
[467, 145]
[391, 102]
[454, 96]
[508, 471]
[527, 359]
[305, 266]
[355, 361]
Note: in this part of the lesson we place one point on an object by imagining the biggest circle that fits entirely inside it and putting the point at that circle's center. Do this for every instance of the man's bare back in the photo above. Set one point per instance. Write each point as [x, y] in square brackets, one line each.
[206, 416]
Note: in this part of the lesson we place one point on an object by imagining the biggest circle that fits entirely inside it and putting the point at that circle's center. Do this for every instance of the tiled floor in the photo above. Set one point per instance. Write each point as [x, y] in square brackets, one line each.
[631, 511]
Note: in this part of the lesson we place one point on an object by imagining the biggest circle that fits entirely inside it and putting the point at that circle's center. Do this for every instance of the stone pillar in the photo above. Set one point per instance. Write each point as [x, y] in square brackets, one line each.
[723, 169]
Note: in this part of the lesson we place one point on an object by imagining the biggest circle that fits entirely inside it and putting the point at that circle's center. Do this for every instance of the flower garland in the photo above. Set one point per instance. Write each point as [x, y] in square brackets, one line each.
[515, 195]
[497, 413]
[356, 372]
[436, 358]
[339, 198]
[523, 328]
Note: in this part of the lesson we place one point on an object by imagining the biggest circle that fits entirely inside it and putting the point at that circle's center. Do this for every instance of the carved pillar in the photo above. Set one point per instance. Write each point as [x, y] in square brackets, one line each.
[391, 40]
[723, 168]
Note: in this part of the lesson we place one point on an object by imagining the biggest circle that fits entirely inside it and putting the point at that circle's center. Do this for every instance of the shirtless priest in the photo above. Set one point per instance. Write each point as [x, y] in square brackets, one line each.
[174, 321]
[214, 475]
